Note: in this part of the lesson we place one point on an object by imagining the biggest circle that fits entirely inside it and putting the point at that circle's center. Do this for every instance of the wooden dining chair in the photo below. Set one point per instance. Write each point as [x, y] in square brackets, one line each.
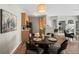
[71, 35]
[33, 49]
[63, 46]
[53, 49]
[44, 47]
[52, 35]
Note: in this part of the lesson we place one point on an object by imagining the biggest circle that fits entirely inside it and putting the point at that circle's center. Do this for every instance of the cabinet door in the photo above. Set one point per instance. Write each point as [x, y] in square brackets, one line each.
[25, 36]
[24, 19]
[42, 23]
[24, 32]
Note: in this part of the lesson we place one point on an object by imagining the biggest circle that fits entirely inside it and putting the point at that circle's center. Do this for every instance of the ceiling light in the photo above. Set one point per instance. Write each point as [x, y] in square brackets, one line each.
[41, 8]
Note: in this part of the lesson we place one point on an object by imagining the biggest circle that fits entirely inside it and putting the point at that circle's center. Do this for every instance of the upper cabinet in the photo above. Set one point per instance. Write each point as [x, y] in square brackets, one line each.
[25, 31]
[42, 23]
[24, 19]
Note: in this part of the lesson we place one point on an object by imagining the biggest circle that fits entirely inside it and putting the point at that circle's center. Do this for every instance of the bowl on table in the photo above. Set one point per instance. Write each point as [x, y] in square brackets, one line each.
[37, 39]
[52, 39]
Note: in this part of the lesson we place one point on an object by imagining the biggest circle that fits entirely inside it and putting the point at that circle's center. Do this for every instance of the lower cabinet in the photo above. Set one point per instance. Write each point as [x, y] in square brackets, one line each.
[25, 35]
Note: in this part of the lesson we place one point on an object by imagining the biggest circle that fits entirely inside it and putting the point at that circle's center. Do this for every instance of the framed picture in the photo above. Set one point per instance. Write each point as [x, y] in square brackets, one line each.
[7, 21]
[70, 22]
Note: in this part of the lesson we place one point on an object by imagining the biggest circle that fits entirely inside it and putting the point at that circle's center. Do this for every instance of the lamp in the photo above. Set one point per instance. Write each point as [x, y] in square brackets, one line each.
[41, 8]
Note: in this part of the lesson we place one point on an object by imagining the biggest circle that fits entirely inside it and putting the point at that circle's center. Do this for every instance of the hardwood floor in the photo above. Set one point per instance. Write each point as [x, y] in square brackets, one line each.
[21, 49]
[72, 48]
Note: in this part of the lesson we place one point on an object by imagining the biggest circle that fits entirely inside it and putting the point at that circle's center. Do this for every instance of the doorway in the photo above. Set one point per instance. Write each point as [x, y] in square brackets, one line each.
[62, 25]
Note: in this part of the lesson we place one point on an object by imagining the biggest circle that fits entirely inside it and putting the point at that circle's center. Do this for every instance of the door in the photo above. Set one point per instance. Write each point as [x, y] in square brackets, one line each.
[54, 24]
[62, 25]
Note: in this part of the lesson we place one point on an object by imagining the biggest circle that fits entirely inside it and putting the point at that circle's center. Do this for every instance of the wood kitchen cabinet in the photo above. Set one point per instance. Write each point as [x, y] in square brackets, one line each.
[24, 18]
[42, 23]
[25, 35]
[25, 31]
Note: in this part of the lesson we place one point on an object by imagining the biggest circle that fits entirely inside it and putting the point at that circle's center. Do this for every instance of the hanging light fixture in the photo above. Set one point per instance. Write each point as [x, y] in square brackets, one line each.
[41, 8]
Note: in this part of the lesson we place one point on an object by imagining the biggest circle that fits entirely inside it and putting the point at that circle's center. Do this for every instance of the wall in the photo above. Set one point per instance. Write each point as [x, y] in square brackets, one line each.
[77, 25]
[35, 23]
[50, 19]
[49, 24]
[9, 41]
[66, 18]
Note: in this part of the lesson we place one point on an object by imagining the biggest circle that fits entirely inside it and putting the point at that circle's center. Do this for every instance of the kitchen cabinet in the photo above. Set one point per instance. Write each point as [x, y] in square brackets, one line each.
[25, 30]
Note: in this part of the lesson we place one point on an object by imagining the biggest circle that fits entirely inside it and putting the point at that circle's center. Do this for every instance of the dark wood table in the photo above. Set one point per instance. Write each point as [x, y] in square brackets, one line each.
[44, 41]
[44, 44]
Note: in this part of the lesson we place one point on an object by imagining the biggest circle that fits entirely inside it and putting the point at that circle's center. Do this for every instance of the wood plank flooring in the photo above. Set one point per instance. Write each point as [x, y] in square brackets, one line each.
[21, 49]
[72, 48]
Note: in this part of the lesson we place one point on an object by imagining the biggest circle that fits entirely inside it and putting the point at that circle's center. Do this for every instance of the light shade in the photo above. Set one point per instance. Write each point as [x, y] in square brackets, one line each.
[41, 8]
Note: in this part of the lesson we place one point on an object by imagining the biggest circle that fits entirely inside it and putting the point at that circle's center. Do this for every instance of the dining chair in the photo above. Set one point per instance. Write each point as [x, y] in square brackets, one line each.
[63, 46]
[33, 49]
[71, 35]
[44, 47]
[55, 30]
[53, 49]
[52, 35]
[48, 33]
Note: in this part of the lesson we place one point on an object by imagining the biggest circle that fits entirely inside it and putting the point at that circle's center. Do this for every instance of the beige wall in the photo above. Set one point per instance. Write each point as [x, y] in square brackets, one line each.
[35, 23]
[50, 19]
[10, 40]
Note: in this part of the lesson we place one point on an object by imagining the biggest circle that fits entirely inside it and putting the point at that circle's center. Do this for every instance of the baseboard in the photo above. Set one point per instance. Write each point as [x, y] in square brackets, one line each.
[15, 48]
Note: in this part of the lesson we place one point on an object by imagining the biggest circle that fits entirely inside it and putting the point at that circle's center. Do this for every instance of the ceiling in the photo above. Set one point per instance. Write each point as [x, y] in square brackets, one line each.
[52, 9]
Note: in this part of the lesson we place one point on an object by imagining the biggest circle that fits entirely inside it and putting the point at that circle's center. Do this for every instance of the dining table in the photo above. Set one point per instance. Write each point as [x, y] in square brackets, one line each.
[46, 43]
[44, 40]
